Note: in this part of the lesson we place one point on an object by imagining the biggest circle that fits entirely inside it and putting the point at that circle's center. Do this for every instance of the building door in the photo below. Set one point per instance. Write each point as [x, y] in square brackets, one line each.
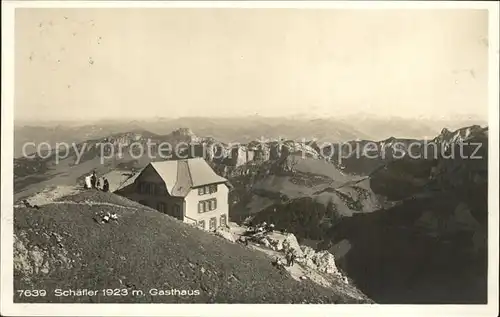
[212, 224]
[223, 220]
[201, 224]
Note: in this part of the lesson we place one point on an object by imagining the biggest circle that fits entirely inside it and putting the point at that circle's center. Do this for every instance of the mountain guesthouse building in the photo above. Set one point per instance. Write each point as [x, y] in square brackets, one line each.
[188, 190]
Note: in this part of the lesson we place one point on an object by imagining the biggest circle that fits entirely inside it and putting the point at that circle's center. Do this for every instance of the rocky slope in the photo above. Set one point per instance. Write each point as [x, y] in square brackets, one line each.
[61, 246]
[427, 243]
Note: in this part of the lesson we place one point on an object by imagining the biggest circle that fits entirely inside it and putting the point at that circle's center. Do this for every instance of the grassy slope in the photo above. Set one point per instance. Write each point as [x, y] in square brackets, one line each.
[147, 249]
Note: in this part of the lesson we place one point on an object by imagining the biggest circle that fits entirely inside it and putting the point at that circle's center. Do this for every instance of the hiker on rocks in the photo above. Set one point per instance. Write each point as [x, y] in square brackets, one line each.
[293, 256]
[278, 263]
[261, 227]
[93, 180]
[290, 258]
[270, 228]
[105, 186]
[244, 240]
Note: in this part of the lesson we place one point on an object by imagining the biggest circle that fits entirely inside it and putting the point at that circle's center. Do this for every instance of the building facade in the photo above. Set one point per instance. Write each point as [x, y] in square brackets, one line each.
[188, 190]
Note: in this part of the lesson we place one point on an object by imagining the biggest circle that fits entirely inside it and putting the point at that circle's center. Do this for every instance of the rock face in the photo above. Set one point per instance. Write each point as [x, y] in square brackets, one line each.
[225, 234]
[185, 135]
[322, 261]
[291, 244]
[32, 261]
[325, 262]
[431, 223]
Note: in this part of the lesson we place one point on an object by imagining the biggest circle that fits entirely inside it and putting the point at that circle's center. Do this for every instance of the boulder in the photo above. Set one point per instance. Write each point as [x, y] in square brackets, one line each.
[307, 257]
[325, 261]
[264, 241]
[308, 252]
[277, 244]
[225, 234]
[291, 243]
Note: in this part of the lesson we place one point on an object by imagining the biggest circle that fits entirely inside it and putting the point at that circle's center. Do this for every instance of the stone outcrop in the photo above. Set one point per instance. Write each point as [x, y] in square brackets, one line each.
[226, 234]
[32, 260]
[291, 244]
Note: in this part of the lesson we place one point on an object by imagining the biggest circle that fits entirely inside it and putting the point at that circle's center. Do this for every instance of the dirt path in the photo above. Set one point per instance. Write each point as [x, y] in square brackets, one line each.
[49, 197]
[86, 203]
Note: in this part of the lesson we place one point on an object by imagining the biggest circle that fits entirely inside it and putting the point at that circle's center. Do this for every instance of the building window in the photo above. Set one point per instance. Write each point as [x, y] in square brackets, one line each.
[161, 207]
[201, 224]
[213, 189]
[151, 189]
[207, 190]
[160, 190]
[143, 188]
[213, 223]
[207, 205]
[203, 190]
[223, 220]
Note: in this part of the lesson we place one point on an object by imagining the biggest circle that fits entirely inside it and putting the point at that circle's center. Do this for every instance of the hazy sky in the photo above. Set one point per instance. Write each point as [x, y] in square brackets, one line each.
[113, 63]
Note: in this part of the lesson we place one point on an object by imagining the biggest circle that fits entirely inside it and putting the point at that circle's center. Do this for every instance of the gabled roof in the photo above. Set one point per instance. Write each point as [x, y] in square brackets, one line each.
[182, 175]
[129, 180]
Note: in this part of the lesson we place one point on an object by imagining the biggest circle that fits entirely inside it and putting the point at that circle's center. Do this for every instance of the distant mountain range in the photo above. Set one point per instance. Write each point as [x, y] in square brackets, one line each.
[241, 130]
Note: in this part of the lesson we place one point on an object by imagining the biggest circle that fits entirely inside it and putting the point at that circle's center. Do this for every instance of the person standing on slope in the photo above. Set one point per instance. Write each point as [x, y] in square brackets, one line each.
[105, 186]
[88, 184]
[93, 179]
[293, 256]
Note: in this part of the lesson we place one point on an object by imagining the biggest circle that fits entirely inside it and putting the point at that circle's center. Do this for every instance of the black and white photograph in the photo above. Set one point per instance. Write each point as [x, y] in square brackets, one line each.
[249, 153]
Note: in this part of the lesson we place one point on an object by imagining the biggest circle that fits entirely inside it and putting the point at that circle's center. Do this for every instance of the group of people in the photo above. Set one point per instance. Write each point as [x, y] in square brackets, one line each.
[290, 257]
[28, 205]
[107, 217]
[92, 182]
[263, 228]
